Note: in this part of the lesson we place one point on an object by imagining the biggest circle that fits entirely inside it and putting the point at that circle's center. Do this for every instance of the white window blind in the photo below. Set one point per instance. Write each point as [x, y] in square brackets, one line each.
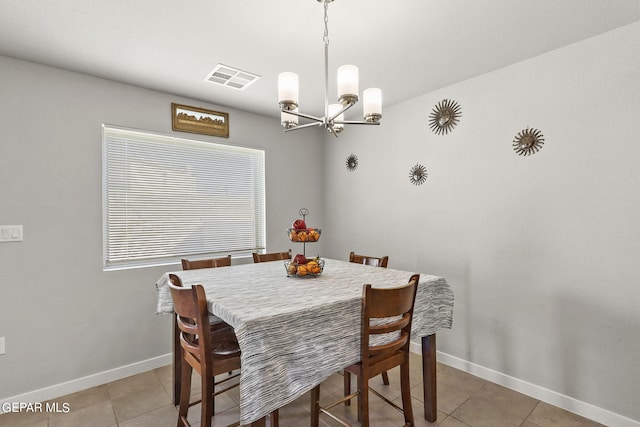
[167, 198]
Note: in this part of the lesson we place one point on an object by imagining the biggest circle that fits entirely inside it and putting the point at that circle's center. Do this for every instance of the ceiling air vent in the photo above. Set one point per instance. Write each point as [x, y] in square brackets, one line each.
[231, 77]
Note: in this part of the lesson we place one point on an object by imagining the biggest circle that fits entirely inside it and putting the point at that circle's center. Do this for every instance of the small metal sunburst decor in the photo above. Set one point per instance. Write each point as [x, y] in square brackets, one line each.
[528, 141]
[352, 162]
[418, 174]
[445, 116]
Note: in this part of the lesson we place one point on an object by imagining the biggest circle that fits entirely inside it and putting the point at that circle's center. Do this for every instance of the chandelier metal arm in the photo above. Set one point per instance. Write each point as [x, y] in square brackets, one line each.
[355, 122]
[307, 125]
[344, 108]
[306, 116]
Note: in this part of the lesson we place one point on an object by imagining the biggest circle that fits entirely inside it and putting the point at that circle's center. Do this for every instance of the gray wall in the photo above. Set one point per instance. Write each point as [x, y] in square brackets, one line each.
[542, 251]
[62, 316]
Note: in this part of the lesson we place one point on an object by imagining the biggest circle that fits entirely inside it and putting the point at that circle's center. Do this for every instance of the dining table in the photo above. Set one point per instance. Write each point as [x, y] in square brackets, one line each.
[294, 332]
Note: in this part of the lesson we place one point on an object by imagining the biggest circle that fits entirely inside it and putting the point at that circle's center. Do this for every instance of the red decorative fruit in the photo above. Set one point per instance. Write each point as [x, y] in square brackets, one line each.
[300, 259]
[299, 224]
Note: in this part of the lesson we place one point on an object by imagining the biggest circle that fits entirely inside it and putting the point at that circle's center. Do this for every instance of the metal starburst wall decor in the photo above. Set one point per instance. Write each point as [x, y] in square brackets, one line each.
[418, 174]
[352, 162]
[528, 141]
[445, 116]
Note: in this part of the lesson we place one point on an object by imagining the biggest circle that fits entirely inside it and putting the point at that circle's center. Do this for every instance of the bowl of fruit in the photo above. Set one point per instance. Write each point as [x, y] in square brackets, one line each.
[301, 266]
[300, 233]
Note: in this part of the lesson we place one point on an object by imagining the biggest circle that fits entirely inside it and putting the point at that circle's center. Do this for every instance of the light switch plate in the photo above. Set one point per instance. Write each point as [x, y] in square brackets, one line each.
[10, 233]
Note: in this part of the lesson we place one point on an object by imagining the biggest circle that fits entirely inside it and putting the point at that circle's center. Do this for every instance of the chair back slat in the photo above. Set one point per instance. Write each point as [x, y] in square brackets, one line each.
[388, 328]
[274, 256]
[390, 302]
[382, 351]
[206, 263]
[369, 260]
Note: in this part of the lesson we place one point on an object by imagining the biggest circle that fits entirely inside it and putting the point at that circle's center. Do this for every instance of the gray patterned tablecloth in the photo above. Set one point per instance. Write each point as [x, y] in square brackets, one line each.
[294, 332]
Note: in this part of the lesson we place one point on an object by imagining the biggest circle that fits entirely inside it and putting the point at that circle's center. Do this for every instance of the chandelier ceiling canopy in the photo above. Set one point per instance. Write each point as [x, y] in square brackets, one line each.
[333, 119]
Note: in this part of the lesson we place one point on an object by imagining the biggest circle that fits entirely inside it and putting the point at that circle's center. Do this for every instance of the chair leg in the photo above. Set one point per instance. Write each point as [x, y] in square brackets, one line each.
[274, 418]
[385, 378]
[405, 388]
[315, 406]
[177, 363]
[363, 400]
[213, 398]
[207, 400]
[185, 392]
[347, 387]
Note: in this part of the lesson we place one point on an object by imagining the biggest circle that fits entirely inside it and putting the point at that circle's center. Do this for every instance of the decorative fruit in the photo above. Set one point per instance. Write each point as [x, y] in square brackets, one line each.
[302, 270]
[300, 260]
[291, 269]
[313, 235]
[313, 267]
[302, 236]
[299, 224]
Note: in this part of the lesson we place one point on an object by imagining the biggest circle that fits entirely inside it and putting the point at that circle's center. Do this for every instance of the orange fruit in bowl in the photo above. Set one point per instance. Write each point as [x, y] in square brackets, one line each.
[303, 236]
[293, 236]
[302, 270]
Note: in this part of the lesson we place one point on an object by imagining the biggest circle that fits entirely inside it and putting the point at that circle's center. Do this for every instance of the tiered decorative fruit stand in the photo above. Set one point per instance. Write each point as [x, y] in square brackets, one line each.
[300, 265]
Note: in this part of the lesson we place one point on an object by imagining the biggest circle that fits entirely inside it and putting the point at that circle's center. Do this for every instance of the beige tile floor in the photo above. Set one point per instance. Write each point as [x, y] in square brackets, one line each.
[145, 400]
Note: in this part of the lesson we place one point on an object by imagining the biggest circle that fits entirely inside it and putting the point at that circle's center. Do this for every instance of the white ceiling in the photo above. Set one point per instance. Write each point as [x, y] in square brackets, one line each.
[405, 47]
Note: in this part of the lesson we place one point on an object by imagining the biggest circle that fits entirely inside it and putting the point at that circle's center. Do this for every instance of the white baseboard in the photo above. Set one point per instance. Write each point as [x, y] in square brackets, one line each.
[89, 381]
[551, 397]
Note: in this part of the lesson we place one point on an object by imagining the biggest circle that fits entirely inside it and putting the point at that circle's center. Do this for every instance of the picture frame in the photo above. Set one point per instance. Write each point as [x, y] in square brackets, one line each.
[199, 120]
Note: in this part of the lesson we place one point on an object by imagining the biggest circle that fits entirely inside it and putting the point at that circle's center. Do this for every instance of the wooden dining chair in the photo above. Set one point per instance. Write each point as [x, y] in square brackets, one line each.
[209, 352]
[384, 311]
[275, 256]
[215, 323]
[375, 262]
[206, 263]
[369, 260]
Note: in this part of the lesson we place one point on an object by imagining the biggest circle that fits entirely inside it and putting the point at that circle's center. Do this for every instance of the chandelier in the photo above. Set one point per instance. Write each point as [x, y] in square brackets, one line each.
[333, 119]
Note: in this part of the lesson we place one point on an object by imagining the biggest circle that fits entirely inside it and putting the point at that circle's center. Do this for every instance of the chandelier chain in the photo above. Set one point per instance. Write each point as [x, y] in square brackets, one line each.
[325, 38]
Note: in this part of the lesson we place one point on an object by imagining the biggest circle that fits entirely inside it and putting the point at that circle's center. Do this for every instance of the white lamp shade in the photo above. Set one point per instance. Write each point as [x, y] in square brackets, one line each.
[288, 87]
[347, 80]
[372, 101]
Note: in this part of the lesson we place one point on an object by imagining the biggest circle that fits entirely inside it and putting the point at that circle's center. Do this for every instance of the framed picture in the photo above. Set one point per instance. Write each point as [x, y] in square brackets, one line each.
[199, 120]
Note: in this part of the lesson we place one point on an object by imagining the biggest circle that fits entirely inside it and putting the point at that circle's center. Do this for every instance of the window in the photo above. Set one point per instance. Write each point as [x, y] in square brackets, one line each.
[167, 198]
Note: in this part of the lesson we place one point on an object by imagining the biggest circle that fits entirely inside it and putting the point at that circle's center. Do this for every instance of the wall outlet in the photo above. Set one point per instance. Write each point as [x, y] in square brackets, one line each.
[1, 345]
[10, 233]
